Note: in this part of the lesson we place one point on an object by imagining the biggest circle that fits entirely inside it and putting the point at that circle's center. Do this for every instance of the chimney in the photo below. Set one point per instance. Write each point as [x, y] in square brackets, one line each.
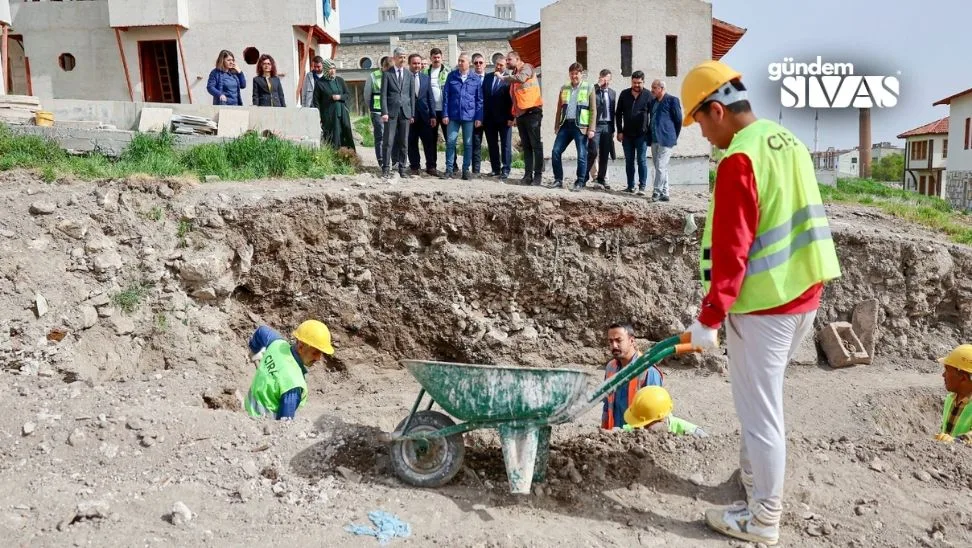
[506, 9]
[389, 10]
[438, 11]
[865, 145]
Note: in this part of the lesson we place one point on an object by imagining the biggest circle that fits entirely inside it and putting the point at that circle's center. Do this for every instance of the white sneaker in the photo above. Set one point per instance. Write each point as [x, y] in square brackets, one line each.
[737, 521]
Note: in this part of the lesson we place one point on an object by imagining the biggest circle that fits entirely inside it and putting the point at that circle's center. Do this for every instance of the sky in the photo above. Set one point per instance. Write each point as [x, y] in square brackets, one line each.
[928, 42]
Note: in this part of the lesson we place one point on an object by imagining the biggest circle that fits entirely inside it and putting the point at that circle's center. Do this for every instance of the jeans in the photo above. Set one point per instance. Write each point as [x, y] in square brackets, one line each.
[636, 146]
[529, 127]
[600, 149]
[569, 132]
[467, 134]
[378, 130]
[445, 137]
[496, 137]
[660, 155]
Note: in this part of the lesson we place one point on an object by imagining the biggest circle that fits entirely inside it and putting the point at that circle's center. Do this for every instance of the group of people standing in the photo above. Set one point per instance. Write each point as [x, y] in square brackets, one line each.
[321, 89]
[412, 99]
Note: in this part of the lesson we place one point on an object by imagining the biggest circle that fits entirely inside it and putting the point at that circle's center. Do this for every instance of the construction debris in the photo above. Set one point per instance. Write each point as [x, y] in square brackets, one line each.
[189, 125]
[18, 109]
[841, 345]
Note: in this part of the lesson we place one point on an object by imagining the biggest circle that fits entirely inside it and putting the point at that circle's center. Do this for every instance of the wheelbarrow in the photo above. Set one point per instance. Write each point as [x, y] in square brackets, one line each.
[521, 403]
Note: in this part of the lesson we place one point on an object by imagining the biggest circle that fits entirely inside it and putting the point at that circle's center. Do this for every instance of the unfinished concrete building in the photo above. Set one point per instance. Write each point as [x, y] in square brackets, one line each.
[158, 51]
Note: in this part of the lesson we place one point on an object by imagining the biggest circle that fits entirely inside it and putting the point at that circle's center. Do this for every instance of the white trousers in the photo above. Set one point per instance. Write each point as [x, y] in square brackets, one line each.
[759, 349]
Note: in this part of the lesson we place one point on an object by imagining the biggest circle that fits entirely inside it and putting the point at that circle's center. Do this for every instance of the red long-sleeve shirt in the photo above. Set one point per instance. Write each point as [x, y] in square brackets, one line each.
[734, 224]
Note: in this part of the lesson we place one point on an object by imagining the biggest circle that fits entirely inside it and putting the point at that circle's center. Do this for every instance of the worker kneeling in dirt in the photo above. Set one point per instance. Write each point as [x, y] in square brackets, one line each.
[957, 415]
[279, 387]
[652, 409]
[622, 342]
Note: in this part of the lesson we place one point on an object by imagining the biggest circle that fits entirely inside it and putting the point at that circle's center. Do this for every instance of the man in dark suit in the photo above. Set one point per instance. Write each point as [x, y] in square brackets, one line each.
[602, 146]
[397, 112]
[498, 120]
[425, 122]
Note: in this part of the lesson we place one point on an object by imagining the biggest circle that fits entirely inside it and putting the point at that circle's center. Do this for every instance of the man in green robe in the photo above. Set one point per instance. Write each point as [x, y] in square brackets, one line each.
[331, 99]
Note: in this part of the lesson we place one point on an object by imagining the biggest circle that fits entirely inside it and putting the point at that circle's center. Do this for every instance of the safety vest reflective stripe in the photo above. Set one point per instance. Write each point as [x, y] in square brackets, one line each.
[776, 259]
[778, 233]
[583, 114]
[376, 91]
[526, 95]
[963, 423]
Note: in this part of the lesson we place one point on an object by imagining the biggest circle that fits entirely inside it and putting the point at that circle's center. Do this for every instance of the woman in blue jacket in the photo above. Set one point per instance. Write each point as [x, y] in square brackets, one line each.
[226, 82]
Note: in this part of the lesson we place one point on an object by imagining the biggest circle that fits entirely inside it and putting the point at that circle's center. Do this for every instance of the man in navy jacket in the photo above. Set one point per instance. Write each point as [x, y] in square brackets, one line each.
[424, 126]
[663, 128]
[498, 120]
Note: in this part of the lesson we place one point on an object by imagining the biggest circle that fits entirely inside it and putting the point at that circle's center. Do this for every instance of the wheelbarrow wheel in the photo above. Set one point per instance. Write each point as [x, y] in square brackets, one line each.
[427, 463]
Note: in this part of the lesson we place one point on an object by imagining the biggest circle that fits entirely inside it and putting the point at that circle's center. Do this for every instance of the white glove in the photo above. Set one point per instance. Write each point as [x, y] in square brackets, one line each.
[702, 336]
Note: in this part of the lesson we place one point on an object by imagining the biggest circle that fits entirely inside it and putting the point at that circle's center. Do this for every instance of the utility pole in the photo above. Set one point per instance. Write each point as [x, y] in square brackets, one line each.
[864, 150]
[815, 118]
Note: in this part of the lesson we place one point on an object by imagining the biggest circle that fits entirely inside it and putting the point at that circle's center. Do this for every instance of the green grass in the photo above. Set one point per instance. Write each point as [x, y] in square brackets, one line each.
[129, 299]
[929, 211]
[363, 126]
[185, 227]
[247, 157]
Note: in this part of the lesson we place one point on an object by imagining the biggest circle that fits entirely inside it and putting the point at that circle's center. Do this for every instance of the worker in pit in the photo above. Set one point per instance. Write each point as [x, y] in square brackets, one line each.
[279, 386]
[957, 414]
[766, 252]
[621, 340]
[652, 409]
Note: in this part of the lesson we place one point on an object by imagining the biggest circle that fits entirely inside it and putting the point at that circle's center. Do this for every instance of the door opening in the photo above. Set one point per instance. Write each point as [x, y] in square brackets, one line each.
[160, 71]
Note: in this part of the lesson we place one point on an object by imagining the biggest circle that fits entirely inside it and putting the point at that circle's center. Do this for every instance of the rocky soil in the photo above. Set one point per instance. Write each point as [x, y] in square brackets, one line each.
[126, 306]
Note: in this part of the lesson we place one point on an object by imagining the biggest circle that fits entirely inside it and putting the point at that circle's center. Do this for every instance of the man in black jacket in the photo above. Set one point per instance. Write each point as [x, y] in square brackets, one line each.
[603, 143]
[424, 128]
[631, 118]
[498, 120]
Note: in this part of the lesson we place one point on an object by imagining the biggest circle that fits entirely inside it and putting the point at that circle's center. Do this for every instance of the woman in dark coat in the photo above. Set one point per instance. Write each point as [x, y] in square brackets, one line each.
[267, 91]
[330, 97]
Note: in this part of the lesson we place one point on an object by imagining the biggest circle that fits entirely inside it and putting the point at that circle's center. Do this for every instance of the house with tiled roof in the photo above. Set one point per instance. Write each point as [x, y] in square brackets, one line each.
[452, 31]
[958, 175]
[926, 153]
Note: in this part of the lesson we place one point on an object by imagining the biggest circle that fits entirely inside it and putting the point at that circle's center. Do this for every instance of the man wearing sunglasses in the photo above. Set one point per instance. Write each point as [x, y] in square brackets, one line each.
[479, 67]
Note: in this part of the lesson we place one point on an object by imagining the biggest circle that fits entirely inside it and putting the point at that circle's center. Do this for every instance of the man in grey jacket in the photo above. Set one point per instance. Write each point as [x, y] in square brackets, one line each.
[397, 112]
[310, 81]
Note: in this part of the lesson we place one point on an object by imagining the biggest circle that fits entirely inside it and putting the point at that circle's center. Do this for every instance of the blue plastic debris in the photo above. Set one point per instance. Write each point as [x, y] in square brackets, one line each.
[386, 527]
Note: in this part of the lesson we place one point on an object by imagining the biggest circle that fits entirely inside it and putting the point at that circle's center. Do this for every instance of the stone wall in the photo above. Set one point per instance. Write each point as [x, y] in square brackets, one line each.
[349, 55]
[958, 189]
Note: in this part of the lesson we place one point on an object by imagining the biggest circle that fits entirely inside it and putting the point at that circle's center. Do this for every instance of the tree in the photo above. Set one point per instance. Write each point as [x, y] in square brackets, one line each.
[889, 168]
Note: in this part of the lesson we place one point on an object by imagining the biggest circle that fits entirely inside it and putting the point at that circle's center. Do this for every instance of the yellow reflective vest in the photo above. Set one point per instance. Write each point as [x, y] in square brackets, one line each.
[585, 90]
[793, 249]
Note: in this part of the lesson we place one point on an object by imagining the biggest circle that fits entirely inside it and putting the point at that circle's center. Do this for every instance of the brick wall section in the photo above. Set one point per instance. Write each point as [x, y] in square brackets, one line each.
[349, 55]
[958, 189]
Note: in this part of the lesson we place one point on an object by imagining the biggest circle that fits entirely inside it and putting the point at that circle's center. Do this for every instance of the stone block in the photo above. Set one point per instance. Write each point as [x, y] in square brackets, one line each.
[865, 321]
[232, 122]
[841, 345]
[154, 120]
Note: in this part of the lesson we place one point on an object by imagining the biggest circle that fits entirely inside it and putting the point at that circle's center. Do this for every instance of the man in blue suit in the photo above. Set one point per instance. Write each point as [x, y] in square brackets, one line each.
[665, 123]
[425, 123]
[498, 120]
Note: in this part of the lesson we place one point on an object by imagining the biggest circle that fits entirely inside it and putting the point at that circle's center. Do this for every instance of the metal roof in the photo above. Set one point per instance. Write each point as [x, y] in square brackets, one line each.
[460, 20]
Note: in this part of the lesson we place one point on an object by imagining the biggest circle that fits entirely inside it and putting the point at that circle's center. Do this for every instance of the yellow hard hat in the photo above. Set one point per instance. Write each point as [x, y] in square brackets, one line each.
[960, 358]
[316, 334]
[651, 403]
[701, 82]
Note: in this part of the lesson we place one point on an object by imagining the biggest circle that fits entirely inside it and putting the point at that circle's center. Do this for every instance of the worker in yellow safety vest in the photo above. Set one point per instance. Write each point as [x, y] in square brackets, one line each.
[576, 107]
[372, 93]
[957, 413]
[766, 252]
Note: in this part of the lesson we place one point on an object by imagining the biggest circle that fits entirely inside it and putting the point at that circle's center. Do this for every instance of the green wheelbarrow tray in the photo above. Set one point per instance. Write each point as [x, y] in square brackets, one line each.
[521, 403]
